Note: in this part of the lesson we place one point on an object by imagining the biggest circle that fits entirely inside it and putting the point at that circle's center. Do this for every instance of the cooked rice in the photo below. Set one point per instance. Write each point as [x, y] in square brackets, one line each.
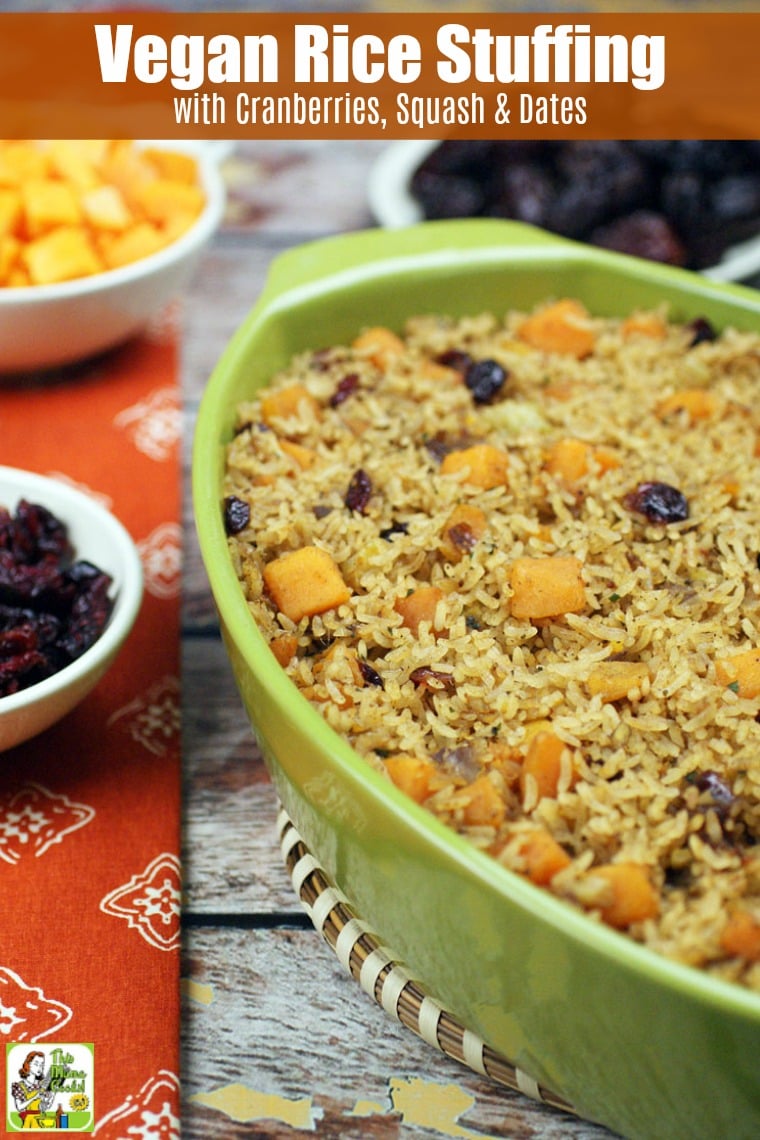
[665, 777]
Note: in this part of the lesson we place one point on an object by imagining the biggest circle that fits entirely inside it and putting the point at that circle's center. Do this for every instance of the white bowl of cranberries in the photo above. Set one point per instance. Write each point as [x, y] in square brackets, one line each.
[70, 590]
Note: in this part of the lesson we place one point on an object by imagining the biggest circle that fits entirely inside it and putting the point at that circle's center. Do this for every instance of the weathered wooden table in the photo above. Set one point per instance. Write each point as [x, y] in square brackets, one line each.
[277, 1040]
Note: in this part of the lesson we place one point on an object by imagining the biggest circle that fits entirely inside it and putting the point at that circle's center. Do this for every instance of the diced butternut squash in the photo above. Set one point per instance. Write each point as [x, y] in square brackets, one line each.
[419, 606]
[305, 582]
[563, 327]
[631, 896]
[342, 662]
[48, 204]
[380, 344]
[105, 209]
[484, 465]
[694, 403]
[113, 204]
[60, 255]
[10, 251]
[606, 459]
[485, 807]
[432, 370]
[730, 485]
[546, 587]
[561, 390]
[462, 531]
[644, 324]
[740, 672]
[285, 403]
[544, 856]
[140, 240]
[74, 162]
[10, 211]
[614, 680]
[127, 167]
[740, 937]
[20, 161]
[542, 765]
[161, 198]
[172, 164]
[284, 648]
[570, 459]
[303, 456]
[413, 775]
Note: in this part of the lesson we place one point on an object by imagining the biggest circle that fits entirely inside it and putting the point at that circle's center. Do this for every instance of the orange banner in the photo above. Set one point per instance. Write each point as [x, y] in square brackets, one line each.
[386, 75]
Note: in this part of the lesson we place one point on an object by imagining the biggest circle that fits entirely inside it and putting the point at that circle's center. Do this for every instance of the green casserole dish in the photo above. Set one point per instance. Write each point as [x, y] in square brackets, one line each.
[644, 1045]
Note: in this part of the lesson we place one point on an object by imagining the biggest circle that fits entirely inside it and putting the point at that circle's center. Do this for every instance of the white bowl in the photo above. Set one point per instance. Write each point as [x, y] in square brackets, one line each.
[393, 205]
[45, 326]
[98, 537]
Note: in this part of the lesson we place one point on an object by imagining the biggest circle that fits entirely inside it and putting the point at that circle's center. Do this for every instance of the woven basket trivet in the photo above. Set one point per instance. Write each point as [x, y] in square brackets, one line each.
[384, 978]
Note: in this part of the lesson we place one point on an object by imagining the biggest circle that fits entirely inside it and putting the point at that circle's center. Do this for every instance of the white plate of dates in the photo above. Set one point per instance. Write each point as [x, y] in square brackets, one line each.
[689, 202]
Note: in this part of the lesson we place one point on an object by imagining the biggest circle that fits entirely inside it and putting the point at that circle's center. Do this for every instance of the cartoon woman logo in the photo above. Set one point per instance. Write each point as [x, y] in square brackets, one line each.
[31, 1093]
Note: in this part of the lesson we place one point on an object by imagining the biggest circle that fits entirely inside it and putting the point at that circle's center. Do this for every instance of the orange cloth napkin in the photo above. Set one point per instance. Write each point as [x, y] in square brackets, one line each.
[90, 810]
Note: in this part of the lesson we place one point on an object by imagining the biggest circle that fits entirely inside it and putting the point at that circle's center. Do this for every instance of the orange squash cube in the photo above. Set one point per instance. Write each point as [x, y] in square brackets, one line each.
[741, 672]
[485, 807]
[544, 856]
[632, 896]
[696, 403]
[462, 530]
[10, 211]
[484, 465]
[418, 607]
[105, 209]
[380, 344]
[413, 775]
[563, 327]
[173, 164]
[644, 324]
[284, 648]
[546, 587]
[303, 456]
[305, 582]
[285, 403]
[568, 459]
[162, 198]
[543, 763]
[140, 240]
[60, 255]
[48, 204]
[740, 937]
[616, 679]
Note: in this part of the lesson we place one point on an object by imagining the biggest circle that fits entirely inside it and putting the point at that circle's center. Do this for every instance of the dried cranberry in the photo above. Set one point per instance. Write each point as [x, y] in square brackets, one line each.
[359, 491]
[455, 358]
[370, 675]
[701, 331]
[345, 388]
[658, 502]
[237, 514]
[485, 379]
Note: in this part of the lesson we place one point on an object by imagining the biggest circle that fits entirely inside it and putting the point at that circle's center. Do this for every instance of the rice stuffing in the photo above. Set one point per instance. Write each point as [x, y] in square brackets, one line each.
[515, 561]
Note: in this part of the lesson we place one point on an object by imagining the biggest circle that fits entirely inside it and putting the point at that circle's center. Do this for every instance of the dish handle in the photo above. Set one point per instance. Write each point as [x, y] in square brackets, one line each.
[356, 252]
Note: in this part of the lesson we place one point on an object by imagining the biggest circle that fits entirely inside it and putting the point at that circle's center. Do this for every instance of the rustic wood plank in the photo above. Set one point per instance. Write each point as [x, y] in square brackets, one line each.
[232, 860]
[285, 1021]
